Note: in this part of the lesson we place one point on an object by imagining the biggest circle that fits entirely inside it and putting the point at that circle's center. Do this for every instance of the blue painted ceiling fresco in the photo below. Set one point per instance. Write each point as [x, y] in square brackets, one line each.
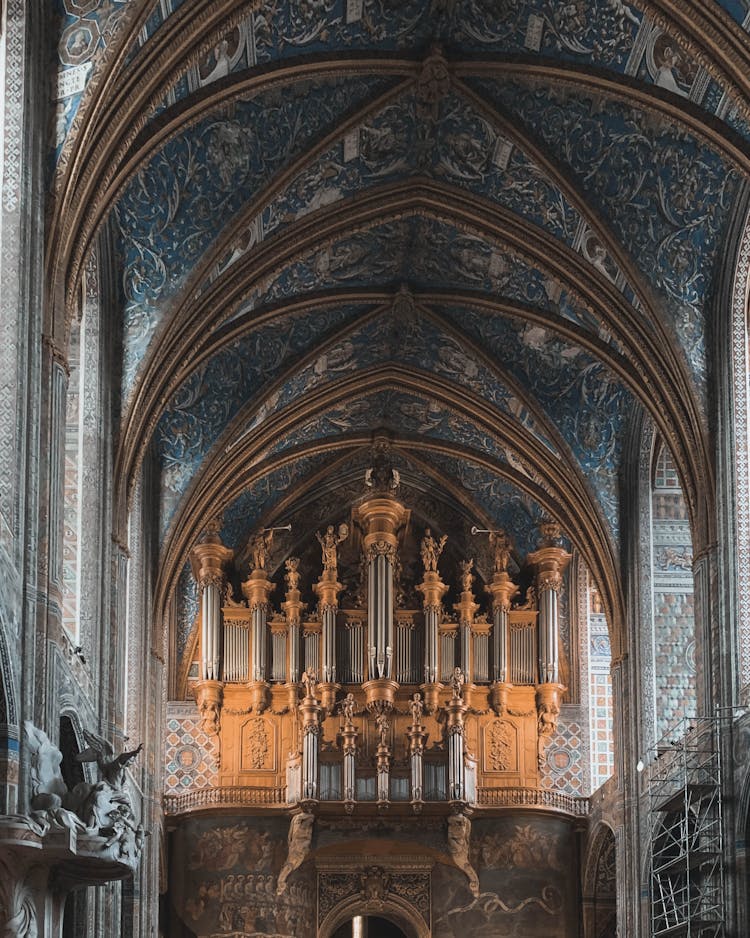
[738, 10]
[427, 253]
[612, 35]
[87, 28]
[462, 148]
[666, 194]
[427, 207]
[234, 376]
[174, 207]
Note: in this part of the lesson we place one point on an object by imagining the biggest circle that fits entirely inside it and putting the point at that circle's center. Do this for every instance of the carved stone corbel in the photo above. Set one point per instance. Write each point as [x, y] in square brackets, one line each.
[459, 835]
[298, 847]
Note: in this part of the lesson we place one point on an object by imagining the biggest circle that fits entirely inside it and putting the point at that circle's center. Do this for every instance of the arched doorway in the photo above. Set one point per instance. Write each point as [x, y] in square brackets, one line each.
[600, 886]
[393, 918]
[369, 926]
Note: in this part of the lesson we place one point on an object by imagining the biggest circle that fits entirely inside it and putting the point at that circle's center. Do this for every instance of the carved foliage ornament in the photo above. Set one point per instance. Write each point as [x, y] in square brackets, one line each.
[211, 579]
[501, 740]
[549, 581]
[257, 743]
[374, 885]
[381, 549]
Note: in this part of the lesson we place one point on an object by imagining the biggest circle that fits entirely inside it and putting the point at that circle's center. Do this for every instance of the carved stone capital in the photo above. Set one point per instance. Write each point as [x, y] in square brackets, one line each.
[211, 579]
[550, 562]
[499, 693]
[381, 548]
[433, 589]
[327, 589]
[550, 580]
[259, 696]
[431, 694]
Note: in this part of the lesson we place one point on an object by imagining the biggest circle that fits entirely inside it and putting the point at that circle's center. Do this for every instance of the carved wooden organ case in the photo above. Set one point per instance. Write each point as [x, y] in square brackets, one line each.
[369, 704]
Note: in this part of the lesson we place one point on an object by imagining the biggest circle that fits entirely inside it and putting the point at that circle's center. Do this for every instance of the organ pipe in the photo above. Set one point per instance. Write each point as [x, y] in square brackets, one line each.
[278, 652]
[466, 609]
[550, 562]
[236, 652]
[257, 590]
[438, 649]
[456, 710]
[208, 558]
[380, 519]
[292, 608]
[311, 713]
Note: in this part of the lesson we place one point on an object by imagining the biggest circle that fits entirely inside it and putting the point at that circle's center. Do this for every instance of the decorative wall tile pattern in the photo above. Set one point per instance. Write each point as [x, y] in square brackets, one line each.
[600, 699]
[563, 769]
[190, 755]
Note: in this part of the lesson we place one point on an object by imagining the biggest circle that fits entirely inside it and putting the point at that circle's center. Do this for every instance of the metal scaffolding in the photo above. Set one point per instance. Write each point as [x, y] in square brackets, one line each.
[687, 894]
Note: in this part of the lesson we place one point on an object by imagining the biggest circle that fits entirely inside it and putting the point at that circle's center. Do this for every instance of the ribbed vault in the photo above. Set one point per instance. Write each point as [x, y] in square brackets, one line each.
[488, 231]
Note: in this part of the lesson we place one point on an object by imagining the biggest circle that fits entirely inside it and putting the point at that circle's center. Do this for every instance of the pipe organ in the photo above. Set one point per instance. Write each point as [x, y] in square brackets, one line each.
[382, 702]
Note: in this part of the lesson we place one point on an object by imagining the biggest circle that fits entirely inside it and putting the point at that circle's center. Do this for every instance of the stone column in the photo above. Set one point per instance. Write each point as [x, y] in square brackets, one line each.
[432, 589]
[207, 559]
[327, 590]
[257, 590]
[502, 589]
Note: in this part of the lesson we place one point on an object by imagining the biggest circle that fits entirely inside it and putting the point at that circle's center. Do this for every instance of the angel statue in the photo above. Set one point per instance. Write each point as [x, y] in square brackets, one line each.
[457, 682]
[260, 548]
[100, 808]
[431, 550]
[111, 767]
[292, 573]
[347, 709]
[501, 548]
[416, 706]
[329, 543]
[383, 725]
[309, 682]
[107, 802]
[466, 576]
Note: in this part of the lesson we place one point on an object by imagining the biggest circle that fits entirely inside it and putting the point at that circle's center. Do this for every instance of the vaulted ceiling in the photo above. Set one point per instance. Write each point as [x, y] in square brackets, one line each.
[490, 230]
